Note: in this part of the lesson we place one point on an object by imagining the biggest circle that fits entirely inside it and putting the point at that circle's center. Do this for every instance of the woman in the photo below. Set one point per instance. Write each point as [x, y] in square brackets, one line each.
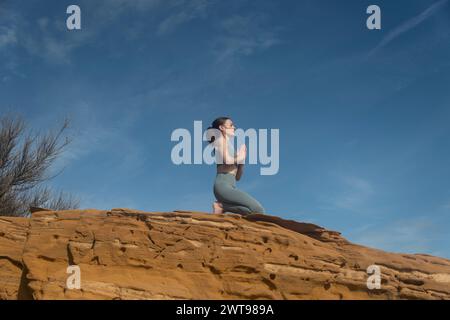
[230, 170]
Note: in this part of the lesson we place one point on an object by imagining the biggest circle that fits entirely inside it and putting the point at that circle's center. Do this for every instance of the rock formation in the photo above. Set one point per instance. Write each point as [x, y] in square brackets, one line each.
[131, 254]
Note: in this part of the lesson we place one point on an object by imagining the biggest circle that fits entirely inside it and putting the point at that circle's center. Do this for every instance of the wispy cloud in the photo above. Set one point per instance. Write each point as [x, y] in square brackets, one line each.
[414, 235]
[357, 192]
[7, 36]
[108, 10]
[353, 194]
[184, 12]
[40, 38]
[244, 36]
[92, 135]
[240, 36]
[53, 48]
[49, 39]
[409, 24]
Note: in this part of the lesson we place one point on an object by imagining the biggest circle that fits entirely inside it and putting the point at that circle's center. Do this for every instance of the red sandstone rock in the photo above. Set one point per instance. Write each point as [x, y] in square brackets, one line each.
[131, 254]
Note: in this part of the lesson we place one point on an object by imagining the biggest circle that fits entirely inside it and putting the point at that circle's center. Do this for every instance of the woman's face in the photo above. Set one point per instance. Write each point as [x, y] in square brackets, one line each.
[228, 127]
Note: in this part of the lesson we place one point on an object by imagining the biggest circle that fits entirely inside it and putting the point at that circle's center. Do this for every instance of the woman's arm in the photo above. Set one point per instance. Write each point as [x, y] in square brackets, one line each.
[241, 155]
[240, 171]
[238, 158]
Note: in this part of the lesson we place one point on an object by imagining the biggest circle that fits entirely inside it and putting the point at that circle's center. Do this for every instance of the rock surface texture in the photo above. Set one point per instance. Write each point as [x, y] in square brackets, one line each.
[131, 254]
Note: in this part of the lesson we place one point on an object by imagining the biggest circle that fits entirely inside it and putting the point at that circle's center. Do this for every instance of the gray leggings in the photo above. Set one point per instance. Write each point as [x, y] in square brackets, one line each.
[233, 199]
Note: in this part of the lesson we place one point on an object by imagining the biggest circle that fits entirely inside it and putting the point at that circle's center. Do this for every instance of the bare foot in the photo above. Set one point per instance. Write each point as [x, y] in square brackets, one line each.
[217, 207]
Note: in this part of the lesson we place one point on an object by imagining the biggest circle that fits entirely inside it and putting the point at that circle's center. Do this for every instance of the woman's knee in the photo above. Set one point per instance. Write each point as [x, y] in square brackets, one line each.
[229, 207]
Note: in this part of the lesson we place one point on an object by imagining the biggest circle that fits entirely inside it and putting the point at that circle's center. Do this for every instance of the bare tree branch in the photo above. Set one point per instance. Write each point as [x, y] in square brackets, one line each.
[25, 160]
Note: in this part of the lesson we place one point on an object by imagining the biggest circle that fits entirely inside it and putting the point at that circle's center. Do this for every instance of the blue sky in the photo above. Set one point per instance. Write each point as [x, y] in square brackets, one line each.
[363, 114]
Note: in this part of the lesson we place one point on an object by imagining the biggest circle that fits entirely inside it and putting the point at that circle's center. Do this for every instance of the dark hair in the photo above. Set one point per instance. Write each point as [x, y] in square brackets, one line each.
[215, 125]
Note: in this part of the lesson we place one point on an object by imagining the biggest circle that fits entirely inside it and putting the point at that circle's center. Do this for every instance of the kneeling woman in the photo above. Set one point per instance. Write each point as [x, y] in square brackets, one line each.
[229, 198]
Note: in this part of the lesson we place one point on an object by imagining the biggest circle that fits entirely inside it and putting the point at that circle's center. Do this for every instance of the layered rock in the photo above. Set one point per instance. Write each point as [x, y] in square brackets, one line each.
[131, 254]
